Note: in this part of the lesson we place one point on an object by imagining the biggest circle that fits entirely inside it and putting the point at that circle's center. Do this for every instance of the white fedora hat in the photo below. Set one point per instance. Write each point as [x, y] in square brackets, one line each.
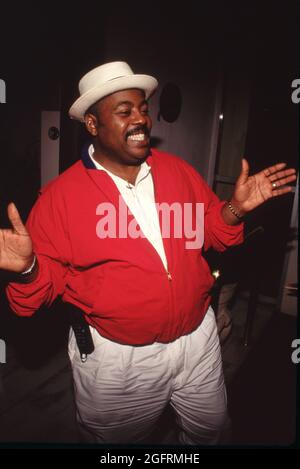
[107, 79]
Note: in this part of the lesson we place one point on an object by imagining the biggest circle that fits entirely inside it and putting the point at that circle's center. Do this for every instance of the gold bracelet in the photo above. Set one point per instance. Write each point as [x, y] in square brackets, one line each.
[233, 211]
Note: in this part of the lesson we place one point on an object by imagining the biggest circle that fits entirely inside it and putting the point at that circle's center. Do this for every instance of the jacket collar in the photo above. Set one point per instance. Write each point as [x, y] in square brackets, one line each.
[85, 157]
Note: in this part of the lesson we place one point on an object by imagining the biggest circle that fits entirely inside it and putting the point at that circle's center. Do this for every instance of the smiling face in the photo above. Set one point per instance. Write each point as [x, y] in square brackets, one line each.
[121, 128]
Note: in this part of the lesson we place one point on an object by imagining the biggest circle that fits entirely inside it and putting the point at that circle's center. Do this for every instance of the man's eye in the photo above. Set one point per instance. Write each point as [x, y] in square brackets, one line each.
[145, 111]
[124, 112]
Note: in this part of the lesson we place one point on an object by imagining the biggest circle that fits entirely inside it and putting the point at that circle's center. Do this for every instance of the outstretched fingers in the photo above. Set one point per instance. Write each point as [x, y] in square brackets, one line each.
[273, 169]
[15, 219]
[283, 190]
[281, 183]
[286, 174]
[278, 177]
[244, 174]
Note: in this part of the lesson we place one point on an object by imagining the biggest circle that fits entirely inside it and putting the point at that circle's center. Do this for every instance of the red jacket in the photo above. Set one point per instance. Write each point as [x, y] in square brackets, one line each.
[121, 284]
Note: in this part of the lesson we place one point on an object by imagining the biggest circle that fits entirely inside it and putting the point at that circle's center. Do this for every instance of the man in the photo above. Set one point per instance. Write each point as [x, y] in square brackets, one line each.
[95, 237]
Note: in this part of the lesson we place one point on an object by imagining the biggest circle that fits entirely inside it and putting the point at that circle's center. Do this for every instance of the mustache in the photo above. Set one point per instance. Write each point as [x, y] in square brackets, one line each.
[139, 128]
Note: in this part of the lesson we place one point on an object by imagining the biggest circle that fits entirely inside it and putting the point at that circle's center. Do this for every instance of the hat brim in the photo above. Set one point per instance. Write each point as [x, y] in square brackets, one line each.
[144, 82]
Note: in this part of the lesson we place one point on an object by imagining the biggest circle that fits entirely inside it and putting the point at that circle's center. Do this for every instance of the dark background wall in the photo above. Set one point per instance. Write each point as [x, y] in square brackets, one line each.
[248, 50]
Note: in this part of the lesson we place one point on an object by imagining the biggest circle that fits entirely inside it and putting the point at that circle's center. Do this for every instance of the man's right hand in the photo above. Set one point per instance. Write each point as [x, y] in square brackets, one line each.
[16, 252]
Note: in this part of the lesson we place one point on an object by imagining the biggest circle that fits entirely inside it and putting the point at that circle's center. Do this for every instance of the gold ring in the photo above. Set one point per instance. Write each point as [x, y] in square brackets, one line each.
[274, 185]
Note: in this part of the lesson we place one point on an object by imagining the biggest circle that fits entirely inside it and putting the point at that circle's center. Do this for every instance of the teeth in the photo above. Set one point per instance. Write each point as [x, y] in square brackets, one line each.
[137, 137]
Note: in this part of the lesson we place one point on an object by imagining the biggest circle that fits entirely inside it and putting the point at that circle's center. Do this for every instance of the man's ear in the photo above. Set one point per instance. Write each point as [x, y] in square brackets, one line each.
[91, 124]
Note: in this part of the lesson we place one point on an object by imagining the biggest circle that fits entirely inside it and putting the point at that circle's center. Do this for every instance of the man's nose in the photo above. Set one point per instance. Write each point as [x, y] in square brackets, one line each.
[139, 117]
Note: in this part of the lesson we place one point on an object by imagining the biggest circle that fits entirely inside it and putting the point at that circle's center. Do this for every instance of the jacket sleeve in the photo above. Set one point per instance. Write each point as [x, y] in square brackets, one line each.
[46, 225]
[218, 234]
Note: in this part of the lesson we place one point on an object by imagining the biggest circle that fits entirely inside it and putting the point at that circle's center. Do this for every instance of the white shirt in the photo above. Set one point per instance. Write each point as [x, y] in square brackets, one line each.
[140, 200]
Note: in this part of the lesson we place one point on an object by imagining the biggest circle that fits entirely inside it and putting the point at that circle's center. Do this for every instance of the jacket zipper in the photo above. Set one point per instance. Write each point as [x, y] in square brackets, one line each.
[169, 275]
[171, 299]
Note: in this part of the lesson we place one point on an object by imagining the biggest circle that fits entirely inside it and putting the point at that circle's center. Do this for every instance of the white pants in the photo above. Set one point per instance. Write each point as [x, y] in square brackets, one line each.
[122, 390]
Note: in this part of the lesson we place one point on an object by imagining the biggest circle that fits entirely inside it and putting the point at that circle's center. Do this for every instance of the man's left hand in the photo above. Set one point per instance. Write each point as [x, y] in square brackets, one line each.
[252, 191]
